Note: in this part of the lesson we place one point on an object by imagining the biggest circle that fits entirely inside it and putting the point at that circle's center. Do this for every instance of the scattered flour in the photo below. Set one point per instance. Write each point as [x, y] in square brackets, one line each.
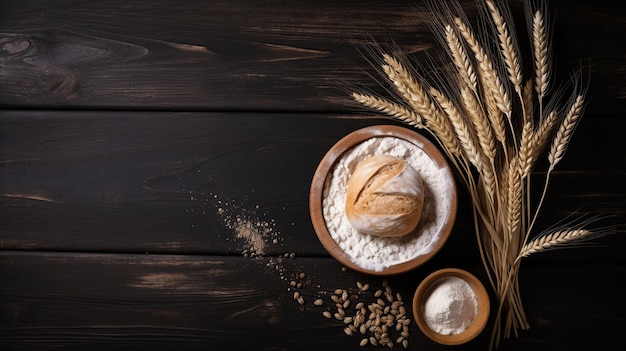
[373, 252]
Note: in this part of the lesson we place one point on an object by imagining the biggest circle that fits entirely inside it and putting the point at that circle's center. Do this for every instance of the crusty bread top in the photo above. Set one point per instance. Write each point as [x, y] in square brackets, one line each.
[385, 195]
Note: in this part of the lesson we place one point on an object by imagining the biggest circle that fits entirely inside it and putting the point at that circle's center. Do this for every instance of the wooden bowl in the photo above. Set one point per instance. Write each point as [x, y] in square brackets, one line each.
[325, 167]
[479, 321]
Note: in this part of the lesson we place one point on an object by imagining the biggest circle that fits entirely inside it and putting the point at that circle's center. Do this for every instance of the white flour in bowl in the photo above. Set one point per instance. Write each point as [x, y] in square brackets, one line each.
[377, 253]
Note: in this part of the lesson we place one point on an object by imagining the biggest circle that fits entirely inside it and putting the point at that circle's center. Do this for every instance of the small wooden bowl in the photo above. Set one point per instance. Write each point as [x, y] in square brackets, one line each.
[480, 320]
[335, 154]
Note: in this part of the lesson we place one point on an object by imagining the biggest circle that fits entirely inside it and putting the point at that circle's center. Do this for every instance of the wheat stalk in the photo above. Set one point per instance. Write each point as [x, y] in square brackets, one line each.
[466, 115]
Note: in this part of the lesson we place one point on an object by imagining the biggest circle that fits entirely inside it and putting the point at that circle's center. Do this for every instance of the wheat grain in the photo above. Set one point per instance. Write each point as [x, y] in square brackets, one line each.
[564, 134]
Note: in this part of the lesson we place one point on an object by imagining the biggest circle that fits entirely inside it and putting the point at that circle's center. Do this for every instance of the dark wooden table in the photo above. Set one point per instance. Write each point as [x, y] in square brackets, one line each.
[142, 141]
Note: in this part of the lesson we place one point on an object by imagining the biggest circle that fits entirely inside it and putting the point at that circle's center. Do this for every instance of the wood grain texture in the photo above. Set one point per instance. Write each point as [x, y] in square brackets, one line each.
[251, 55]
[165, 302]
[156, 159]
[171, 182]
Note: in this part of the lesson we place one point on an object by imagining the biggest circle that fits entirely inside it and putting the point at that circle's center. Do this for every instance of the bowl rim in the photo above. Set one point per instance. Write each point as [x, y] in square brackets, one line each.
[335, 153]
[482, 297]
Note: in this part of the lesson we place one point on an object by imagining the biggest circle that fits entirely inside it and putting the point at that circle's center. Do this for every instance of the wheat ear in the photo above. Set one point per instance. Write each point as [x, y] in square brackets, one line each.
[495, 95]
[526, 150]
[461, 128]
[533, 141]
[511, 58]
[486, 140]
[527, 102]
[417, 97]
[540, 51]
[408, 86]
[564, 134]
[461, 60]
[554, 240]
[542, 133]
[514, 200]
[390, 108]
[559, 145]
[481, 123]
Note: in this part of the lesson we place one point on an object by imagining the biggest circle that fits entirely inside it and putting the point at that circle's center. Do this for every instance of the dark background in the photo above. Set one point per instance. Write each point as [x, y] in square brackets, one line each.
[132, 134]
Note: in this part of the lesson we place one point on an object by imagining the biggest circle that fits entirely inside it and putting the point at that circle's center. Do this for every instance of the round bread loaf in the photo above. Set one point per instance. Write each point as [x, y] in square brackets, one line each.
[385, 197]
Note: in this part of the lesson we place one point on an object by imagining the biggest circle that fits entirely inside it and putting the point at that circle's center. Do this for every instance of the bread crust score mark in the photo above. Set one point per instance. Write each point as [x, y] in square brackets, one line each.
[385, 197]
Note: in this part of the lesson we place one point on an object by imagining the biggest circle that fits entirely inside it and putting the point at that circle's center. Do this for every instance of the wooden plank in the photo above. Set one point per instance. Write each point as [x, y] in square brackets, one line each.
[174, 182]
[242, 55]
[64, 301]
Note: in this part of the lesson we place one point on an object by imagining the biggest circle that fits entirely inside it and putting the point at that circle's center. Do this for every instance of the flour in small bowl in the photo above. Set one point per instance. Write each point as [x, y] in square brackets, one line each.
[378, 253]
